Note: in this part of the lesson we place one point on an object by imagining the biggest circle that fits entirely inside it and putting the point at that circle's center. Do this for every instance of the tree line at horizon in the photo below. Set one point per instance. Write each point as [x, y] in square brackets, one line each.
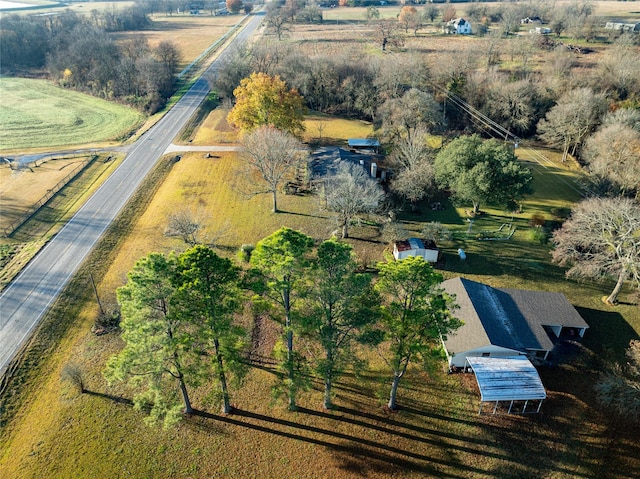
[79, 52]
[181, 330]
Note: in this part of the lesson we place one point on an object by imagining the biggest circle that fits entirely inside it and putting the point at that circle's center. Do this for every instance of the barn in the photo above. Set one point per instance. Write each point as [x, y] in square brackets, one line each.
[364, 145]
[504, 322]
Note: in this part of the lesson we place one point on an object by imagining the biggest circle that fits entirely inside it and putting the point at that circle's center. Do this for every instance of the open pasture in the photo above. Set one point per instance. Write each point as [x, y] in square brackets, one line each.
[36, 114]
[192, 34]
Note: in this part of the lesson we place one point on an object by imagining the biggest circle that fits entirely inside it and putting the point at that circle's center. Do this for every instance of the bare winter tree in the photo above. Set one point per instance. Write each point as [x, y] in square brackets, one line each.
[412, 158]
[277, 20]
[351, 192]
[436, 231]
[386, 32]
[187, 225]
[274, 155]
[601, 239]
[619, 70]
[412, 110]
[613, 154]
[575, 116]
[623, 116]
[393, 231]
[193, 226]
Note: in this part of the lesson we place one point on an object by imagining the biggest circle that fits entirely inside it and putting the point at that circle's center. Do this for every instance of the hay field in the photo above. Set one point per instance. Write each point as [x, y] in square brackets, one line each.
[192, 34]
[37, 114]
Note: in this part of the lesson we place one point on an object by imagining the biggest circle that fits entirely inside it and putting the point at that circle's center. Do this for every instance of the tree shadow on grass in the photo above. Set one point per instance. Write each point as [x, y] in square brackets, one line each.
[609, 333]
[356, 453]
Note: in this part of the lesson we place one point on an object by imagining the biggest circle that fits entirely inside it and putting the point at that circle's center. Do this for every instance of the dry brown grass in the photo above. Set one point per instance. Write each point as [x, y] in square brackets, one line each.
[192, 34]
[215, 130]
[23, 187]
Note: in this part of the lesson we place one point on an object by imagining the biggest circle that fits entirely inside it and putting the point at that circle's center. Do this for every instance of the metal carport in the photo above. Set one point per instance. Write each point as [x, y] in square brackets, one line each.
[507, 379]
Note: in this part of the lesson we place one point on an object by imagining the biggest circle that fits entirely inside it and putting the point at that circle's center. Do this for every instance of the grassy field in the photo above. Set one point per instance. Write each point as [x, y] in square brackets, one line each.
[437, 433]
[36, 114]
[23, 188]
[190, 33]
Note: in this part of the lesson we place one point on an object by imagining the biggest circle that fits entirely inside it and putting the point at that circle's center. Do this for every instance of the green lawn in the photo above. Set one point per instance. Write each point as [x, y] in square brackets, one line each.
[37, 114]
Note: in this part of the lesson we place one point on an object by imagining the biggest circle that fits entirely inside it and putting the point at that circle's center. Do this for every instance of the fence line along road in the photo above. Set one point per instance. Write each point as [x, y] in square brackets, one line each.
[25, 301]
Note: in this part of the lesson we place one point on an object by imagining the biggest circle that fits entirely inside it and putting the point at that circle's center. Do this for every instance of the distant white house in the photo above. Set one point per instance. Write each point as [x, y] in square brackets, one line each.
[457, 25]
[507, 322]
[416, 247]
[540, 31]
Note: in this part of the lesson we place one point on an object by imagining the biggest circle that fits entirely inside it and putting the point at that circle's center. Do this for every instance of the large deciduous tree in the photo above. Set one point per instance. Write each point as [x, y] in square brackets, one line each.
[414, 109]
[278, 19]
[414, 174]
[274, 155]
[263, 100]
[280, 260]
[574, 117]
[208, 294]
[158, 353]
[416, 314]
[482, 171]
[600, 240]
[340, 305]
[613, 153]
[350, 192]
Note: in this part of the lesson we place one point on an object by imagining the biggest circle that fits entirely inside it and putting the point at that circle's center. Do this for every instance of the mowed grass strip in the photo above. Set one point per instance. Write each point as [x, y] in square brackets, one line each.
[37, 114]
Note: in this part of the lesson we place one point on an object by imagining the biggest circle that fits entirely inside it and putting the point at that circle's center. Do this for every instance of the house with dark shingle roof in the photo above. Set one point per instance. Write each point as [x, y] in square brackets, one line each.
[502, 322]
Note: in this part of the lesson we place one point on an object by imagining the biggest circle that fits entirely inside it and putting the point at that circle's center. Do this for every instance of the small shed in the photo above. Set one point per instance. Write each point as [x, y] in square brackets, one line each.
[416, 247]
[508, 379]
[363, 145]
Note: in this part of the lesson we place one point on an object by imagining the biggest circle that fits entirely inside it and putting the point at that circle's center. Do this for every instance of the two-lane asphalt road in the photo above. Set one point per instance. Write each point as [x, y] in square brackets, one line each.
[25, 301]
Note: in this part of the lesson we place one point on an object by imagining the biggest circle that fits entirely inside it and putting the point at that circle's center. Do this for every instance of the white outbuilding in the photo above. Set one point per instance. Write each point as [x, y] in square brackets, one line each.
[416, 247]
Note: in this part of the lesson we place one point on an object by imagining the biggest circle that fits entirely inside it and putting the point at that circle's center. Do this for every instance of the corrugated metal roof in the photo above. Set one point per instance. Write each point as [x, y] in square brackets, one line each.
[507, 379]
[363, 142]
[414, 243]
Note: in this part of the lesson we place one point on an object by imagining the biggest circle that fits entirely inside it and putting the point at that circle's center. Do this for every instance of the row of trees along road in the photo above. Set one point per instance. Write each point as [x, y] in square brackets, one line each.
[180, 323]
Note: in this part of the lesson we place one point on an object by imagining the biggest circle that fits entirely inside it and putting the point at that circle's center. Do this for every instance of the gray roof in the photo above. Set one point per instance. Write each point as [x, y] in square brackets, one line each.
[509, 318]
